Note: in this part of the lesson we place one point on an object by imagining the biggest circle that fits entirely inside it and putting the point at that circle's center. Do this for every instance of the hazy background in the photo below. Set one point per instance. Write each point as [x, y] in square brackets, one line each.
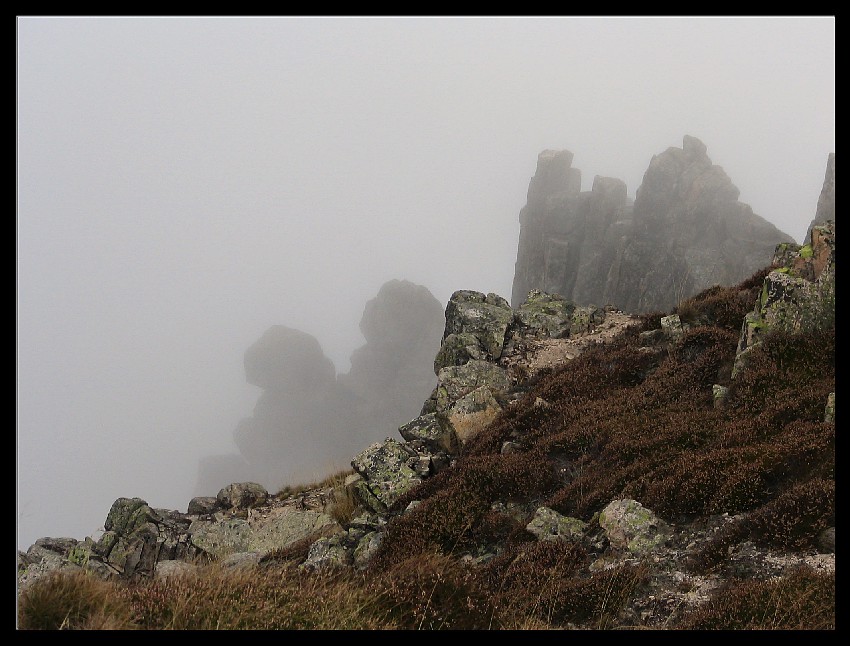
[185, 183]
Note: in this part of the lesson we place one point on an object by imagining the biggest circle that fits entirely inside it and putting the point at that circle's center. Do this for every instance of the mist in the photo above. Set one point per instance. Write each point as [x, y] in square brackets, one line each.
[186, 183]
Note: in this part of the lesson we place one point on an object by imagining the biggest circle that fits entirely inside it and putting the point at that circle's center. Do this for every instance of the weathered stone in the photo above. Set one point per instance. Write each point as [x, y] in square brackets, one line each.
[434, 430]
[288, 527]
[454, 382]
[487, 317]
[329, 552]
[366, 548]
[585, 318]
[201, 505]
[387, 474]
[242, 495]
[549, 525]
[240, 560]
[457, 349]
[128, 514]
[720, 395]
[630, 526]
[796, 297]
[173, 569]
[544, 315]
[829, 411]
[221, 538]
[470, 414]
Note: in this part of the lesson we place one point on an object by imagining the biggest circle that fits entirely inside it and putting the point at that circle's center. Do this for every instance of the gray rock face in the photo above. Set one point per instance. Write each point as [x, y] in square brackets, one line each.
[826, 202]
[486, 317]
[386, 473]
[685, 232]
[798, 295]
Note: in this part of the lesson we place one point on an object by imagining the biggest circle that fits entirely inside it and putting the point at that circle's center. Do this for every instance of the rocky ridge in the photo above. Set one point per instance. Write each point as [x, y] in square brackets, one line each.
[489, 353]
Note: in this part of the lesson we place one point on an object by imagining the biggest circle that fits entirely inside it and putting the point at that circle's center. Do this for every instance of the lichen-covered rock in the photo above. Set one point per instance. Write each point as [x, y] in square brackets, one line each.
[366, 548]
[333, 551]
[289, 526]
[202, 505]
[128, 514]
[671, 326]
[487, 317]
[221, 538]
[720, 395]
[173, 569]
[48, 555]
[585, 318]
[457, 349]
[548, 316]
[242, 495]
[549, 525]
[829, 410]
[630, 526]
[796, 297]
[470, 414]
[241, 560]
[454, 382]
[432, 429]
[386, 472]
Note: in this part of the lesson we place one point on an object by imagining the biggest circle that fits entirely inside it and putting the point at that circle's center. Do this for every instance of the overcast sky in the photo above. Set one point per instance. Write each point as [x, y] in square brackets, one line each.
[183, 184]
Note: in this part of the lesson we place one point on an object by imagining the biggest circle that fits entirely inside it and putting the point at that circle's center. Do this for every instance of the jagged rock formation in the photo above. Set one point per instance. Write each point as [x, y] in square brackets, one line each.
[798, 295]
[826, 201]
[685, 232]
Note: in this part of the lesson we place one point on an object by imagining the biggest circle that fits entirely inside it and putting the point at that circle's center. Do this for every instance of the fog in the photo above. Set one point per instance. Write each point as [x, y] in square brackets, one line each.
[184, 184]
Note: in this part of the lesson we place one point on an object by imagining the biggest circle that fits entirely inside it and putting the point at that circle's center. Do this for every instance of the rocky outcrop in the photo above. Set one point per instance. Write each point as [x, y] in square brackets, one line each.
[242, 525]
[826, 202]
[685, 232]
[798, 295]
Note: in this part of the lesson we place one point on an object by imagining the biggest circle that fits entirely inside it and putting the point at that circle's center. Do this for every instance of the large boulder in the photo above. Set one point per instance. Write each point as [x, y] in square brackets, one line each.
[485, 316]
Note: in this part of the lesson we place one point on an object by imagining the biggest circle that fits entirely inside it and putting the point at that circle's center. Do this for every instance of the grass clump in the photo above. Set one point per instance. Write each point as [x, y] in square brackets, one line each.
[803, 600]
[72, 601]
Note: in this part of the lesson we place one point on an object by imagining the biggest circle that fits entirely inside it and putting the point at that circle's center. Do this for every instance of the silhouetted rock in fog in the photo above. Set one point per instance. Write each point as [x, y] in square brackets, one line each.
[392, 373]
[308, 421]
[685, 232]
